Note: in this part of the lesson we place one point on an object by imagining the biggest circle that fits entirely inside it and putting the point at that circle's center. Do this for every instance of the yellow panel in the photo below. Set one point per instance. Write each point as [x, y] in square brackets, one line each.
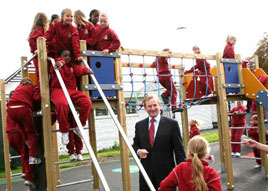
[213, 71]
[259, 72]
[252, 84]
[188, 79]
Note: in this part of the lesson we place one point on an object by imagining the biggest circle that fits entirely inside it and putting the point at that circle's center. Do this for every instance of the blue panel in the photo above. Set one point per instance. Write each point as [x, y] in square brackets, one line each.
[231, 77]
[262, 98]
[104, 72]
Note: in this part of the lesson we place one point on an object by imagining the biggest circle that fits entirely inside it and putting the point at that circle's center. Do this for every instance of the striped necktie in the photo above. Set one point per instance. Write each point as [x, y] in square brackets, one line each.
[151, 132]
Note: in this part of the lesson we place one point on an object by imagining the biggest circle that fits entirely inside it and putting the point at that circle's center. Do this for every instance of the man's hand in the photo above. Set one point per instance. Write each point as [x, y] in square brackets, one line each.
[250, 143]
[90, 71]
[143, 153]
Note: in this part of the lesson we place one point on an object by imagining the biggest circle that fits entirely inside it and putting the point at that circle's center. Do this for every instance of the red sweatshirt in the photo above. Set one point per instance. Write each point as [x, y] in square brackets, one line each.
[194, 131]
[107, 39]
[229, 51]
[162, 65]
[253, 133]
[238, 119]
[200, 66]
[24, 95]
[33, 38]
[66, 36]
[181, 176]
[68, 74]
[88, 33]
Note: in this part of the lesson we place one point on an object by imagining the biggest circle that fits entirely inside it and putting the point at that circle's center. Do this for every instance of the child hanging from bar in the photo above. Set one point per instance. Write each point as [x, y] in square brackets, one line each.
[63, 34]
[69, 72]
[194, 174]
[107, 39]
[40, 26]
[166, 80]
[19, 142]
[238, 120]
[19, 110]
[202, 67]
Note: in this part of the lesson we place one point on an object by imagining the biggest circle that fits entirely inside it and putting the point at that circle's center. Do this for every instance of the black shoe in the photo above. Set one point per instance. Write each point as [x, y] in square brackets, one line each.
[165, 98]
[265, 120]
[174, 110]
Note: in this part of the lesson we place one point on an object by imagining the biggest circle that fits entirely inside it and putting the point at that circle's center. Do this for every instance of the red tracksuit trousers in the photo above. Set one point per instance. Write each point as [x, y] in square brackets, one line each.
[17, 142]
[236, 135]
[62, 107]
[205, 83]
[256, 152]
[166, 83]
[23, 116]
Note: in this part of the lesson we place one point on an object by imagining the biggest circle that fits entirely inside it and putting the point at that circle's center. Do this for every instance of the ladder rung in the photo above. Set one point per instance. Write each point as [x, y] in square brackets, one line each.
[14, 157]
[66, 162]
[74, 183]
[18, 174]
[71, 129]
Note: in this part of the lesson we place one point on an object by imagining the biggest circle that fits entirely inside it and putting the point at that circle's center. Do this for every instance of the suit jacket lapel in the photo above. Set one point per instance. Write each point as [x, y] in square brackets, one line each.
[159, 130]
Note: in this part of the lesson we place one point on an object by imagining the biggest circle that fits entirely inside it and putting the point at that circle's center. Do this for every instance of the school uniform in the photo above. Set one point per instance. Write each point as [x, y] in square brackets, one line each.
[69, 74]
[162, 68]
[229, 51]
[107, 39]
[254, 134]
[88, 33]
[181, 176]
[194, 131]
[65, 36]
[19, 110]
[237, 121]
[16, 138]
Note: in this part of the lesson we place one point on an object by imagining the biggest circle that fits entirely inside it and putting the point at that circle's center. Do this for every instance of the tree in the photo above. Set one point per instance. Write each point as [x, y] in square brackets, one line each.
[262, 52]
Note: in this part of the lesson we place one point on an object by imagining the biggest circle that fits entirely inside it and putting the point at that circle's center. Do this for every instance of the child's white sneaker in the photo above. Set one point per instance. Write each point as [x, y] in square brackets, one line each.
[23, 175]
[29, 183]
[65, 138]
[72, 157]
[34, 160]
[79, 157]
[237, 154]
[233, 154]
[257, 166]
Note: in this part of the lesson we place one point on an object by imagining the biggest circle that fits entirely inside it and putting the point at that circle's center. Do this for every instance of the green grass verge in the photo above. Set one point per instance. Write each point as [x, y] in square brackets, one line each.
[109, 152]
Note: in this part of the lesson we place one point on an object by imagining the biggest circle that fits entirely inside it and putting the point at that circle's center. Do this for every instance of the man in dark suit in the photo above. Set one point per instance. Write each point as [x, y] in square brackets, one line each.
[157, 139]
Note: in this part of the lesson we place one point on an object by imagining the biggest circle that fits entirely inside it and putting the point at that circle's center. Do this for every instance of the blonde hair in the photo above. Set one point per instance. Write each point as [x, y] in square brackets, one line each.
[195, 122]
[230, 37]
[255, 117]
[148, 97]
[40, 20]
[105, 15]
[198, 149]
[81, 16]
[64, 11]
[196, 47]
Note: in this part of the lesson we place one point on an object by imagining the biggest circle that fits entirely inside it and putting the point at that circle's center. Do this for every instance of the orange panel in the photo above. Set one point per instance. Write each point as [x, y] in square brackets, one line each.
[213, 71]
[259, 72]
[252, 84]
[33, 77]
[188, 80]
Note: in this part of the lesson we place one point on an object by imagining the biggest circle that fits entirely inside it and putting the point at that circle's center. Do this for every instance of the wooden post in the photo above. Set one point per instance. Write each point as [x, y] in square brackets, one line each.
[121, 114]
[5, 140]
[256, 58]
[221, 145]
[262, 139]
[225, 123]
[24, 70]
[240, 75]
[91, 121]
[46, 120]
[56, 147]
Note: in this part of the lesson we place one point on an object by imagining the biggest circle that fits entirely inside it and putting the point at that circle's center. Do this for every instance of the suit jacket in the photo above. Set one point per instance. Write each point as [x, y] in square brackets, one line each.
[167, 142]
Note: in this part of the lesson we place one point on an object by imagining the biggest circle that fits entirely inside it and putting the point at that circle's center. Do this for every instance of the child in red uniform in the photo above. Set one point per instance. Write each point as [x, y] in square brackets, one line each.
[17, 140]
[69, 72]
[229, 48]
[166, 81]
[194, 174]
[107, 40]
[19, 110]
[40, 26]
[203, 68]
[64, 35]
[238, 120]
[193, 128]
[94, 17]
[54, 18]
[86, 30]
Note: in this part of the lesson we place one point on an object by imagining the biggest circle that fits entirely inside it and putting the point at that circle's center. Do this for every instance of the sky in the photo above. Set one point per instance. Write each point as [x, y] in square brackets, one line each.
[145, 24]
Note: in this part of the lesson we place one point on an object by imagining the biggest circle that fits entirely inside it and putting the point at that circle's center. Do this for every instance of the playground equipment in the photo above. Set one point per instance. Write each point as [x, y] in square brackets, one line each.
[243, 82]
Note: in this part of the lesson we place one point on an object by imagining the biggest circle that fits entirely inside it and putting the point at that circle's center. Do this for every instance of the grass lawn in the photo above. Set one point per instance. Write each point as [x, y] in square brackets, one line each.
[105, 153]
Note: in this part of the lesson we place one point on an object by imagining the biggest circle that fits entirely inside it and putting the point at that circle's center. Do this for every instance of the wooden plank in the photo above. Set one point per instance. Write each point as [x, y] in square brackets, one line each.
[145, 65]
[5, 139]
[221, 144]
[165, 54]
[46, 120]
[262, 138]
[56, 147]
[24, 70]
[224, 123]
[102, 104]
[122, 119]
[240, 74]
[256, 58]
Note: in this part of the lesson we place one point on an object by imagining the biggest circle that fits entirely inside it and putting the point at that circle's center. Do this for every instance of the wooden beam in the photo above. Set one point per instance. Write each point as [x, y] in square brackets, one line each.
[24, 70]
[256, 58]
[45, 106]
[224, 123]
[56, 146]
[122, 119]
[165, 54]
[5, 139]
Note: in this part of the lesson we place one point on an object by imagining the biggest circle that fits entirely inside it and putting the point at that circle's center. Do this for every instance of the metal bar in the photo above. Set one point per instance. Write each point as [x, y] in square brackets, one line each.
[233, 85]
[254, 158]
[18, 174]
[230, 61]
[26, 63]
[239, 113]
[81, 130]
[14, 157]
[71, 129]
[66, 162]
[243, 127]
[100, 54]
[74, 183]
[121, 131]
[237, 143]
[106, 87]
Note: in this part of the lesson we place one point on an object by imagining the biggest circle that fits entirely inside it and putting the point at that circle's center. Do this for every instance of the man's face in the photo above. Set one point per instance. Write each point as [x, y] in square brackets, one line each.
[152, 107]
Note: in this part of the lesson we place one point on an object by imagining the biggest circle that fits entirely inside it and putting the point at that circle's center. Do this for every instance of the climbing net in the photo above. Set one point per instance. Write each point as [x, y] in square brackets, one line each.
[140, 79]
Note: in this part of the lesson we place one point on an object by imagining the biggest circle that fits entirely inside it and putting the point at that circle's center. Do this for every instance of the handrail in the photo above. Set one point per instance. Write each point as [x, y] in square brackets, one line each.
[81, 129]
[120, 129]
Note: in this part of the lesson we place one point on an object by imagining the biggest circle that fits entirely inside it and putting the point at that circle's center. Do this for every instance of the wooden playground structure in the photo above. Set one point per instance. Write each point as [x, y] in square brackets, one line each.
[247, 86]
